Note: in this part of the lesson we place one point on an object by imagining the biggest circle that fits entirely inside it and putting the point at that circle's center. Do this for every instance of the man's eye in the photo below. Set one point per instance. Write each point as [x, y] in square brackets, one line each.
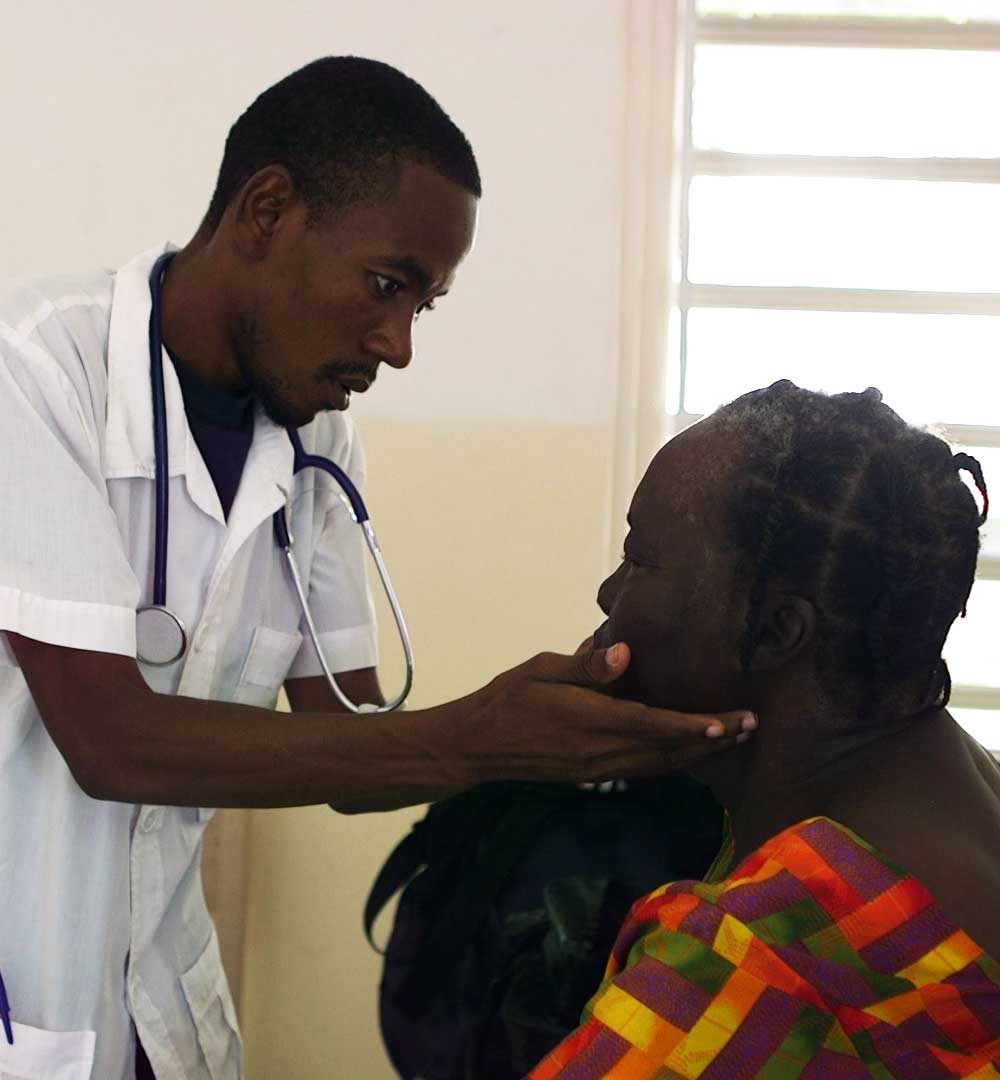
[428, 306]
[387, 286]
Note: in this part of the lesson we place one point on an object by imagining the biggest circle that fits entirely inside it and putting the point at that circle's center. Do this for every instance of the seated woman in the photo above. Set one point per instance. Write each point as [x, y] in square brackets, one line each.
[805, 555]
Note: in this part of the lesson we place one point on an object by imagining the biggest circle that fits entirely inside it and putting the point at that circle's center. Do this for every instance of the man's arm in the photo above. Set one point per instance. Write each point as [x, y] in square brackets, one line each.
[312, 693]
[539, 721]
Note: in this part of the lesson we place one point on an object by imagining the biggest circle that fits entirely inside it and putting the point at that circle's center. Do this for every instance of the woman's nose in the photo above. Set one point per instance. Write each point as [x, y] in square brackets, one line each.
[608, 591]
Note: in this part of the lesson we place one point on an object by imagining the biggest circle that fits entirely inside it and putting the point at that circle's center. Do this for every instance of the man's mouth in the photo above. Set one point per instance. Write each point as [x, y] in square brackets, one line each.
[340, 396]
[355, 384]
[345, 385]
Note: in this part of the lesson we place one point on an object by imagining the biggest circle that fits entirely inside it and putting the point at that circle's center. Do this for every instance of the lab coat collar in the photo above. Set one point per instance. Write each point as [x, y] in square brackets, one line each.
[129, 450]
[264, 488]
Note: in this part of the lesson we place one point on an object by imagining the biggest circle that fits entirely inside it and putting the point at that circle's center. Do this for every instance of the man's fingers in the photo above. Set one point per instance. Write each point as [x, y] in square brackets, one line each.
[739, 722]
[652, 742]
[683, 759]
[676, 727]
[557, 701]
[590, 667]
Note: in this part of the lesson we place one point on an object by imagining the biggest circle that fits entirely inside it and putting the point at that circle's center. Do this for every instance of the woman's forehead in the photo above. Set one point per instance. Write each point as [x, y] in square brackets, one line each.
[688, 478]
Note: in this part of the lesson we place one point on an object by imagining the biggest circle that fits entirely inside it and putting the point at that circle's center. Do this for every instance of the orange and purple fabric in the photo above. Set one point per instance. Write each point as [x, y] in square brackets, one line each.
[817, 959]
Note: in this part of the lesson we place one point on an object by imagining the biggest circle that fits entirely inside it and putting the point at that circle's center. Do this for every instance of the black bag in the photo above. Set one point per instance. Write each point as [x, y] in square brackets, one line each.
[514, 894]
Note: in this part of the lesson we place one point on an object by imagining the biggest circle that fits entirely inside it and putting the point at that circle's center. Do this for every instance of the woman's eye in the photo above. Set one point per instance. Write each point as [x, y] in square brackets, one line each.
[387, 286]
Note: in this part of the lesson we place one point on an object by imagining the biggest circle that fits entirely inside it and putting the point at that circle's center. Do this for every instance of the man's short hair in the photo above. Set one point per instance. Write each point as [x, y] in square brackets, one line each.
[342, 126]
[842, 501]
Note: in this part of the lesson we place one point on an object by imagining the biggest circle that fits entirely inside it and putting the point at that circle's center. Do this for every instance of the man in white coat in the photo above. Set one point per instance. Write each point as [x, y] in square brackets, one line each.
[345, 202]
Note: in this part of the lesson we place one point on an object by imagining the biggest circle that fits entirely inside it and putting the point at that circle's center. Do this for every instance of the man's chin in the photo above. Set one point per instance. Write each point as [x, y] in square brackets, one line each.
[286, 416]
[278, 406]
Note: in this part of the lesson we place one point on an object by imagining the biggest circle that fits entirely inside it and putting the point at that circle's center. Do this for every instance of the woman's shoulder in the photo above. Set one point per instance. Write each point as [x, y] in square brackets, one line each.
[937, 818]
[955, 857]
[826, 881]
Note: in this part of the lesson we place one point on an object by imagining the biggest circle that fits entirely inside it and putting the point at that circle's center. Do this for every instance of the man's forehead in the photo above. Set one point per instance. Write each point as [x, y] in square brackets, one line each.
[424, 229]
[407, 227]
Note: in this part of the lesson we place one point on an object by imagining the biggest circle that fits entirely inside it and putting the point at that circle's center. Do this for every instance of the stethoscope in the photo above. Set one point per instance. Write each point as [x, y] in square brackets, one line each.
[161, 637]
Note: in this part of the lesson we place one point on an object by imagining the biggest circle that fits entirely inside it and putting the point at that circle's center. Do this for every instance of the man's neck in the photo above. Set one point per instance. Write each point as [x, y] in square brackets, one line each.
[195, 319]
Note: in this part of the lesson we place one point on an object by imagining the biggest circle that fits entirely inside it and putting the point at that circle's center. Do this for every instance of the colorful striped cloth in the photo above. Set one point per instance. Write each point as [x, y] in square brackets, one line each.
[818, 959]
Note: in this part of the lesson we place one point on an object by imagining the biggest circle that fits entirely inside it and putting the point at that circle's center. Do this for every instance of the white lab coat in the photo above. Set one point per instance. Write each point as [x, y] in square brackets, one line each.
[102, 917]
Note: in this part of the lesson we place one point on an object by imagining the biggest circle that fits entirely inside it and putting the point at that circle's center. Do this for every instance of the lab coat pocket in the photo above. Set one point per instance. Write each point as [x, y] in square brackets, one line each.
[267, 663]
[207, 994]
[47, 1055]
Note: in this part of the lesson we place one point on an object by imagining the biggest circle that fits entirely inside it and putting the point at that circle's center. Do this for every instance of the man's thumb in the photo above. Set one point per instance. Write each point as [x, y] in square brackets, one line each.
[596, 667]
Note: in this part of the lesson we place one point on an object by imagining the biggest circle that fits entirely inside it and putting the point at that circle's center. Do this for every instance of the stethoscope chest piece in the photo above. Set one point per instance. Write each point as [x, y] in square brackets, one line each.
[159, 635]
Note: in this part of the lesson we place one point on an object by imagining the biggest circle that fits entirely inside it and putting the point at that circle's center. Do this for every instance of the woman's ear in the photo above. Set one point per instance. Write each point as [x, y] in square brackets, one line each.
[785, 629]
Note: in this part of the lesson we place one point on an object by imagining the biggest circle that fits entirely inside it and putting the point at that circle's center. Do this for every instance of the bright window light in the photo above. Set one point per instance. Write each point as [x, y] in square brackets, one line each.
[982, 724]
[930, 368]
[845, 233]
[971, 649]
[989, 458]
[894, 103]
[955, 10]
[875, 219]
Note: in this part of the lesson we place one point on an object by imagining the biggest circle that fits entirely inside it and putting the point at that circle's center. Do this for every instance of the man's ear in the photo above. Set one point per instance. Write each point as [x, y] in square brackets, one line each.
[260, 206]
[786, 627]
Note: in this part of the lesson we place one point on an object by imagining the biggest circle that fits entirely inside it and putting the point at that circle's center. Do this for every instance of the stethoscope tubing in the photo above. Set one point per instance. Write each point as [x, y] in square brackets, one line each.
[162, 481]
[302, 460]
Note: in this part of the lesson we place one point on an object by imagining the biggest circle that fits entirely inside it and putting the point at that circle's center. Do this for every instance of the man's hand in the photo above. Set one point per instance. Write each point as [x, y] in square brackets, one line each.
[543, 720]
[547, 720]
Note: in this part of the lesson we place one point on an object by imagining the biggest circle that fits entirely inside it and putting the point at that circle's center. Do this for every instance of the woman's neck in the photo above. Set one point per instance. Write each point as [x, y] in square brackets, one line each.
[799, 766]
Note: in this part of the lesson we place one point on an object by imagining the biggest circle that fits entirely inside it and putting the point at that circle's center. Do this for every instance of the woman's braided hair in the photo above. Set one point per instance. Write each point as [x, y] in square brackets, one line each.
[866, 516]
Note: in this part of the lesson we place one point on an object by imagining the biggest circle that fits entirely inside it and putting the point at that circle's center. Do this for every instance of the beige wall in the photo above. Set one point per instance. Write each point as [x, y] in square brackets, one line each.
[488, 579]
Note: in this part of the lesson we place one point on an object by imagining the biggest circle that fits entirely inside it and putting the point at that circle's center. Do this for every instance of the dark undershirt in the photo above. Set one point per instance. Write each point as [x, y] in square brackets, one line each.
[222, 425]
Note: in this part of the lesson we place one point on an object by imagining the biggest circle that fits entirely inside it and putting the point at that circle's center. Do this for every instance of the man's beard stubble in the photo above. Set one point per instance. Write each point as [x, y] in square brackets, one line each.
[271, 391]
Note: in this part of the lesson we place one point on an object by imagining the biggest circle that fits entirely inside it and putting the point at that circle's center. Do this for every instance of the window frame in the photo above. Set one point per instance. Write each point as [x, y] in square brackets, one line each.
[828, 32]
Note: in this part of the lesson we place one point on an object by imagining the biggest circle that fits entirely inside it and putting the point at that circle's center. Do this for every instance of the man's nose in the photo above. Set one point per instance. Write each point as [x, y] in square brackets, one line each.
[392, 342]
